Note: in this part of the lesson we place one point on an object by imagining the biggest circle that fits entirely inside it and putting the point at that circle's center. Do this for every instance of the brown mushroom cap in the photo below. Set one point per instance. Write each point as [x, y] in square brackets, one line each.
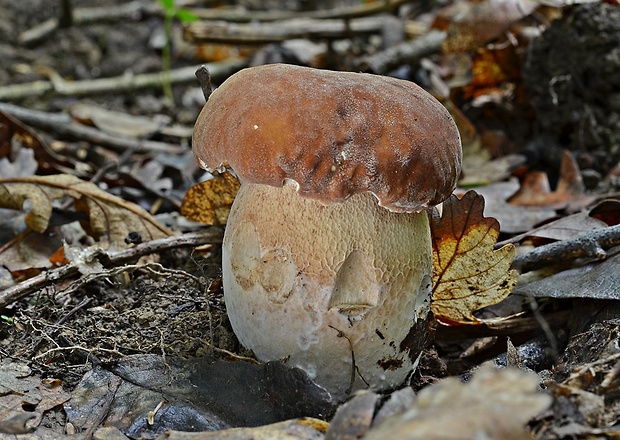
[334, 133]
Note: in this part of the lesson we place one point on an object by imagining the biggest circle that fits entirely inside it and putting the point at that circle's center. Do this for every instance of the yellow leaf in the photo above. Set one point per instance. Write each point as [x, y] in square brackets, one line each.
[209, 202]
[467, 273]
[108, 215]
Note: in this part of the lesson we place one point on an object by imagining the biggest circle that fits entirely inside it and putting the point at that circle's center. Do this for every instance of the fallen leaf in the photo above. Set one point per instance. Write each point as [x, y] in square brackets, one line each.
[151, 175]
[493, 67]
[21, 392]
[471, 24]
[494, 404]
[200, 394]
[512, 219]
[118, 123]
[14, 133]
[570, 192]
[29, 253]
[479, 168]
[597, 280]
[603, 214]
[209, 202]
[108, 215]
[607, 211]
[354, 418]
[23, 165]
[467, 273]
[305, 428]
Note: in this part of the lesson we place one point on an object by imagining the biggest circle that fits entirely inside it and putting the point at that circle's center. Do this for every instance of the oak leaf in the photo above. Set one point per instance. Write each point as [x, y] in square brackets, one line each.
[107, 215]
[209, 202]
[468, 274]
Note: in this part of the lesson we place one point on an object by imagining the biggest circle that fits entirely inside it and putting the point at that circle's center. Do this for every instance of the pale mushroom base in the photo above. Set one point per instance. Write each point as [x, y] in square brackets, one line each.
[341, 291]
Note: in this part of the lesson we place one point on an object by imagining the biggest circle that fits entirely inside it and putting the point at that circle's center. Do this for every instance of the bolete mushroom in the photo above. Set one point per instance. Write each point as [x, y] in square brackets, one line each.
[327, 251]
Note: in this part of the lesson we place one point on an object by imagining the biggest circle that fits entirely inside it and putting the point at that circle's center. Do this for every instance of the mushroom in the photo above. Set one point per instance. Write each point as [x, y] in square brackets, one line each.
[327, 252]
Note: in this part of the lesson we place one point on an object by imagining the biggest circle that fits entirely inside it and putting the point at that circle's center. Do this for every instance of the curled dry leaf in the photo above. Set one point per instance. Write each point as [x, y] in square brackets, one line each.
[471, 24]
[494, 404]
[24, 399]
[467, 273]
[570, 193]
[209, 202]
[108, 215]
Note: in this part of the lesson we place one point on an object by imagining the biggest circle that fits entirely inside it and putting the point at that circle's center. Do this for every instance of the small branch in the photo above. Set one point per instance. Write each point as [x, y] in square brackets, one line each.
[78, 347]
[261, 33]
[111, 259]
[592, 244]
[241, 15]
[522, 326]
[81, 16]
[408, 52]
[62, 124]
[118, 84]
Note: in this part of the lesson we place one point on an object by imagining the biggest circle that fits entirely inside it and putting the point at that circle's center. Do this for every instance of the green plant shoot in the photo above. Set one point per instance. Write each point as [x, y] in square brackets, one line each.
[172, 12]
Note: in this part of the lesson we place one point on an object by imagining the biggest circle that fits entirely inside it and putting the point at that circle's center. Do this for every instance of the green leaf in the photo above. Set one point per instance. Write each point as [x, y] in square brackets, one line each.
[167, 4]
[186, 16]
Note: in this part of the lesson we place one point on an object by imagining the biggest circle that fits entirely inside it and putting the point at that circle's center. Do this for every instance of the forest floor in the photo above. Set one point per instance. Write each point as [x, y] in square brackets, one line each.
[120, 331]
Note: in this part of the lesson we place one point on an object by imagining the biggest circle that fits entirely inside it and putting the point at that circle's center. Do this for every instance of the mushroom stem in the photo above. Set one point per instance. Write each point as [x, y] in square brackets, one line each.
[321, 285]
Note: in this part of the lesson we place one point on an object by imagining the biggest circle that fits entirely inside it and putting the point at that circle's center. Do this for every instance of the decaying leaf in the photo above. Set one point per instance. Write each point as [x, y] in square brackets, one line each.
[479, 168]
[596, 280]
[603, 214]
[118, 123]
[108, 215]
[14, 133]
[201, 394]
[513, 219]
[467, 273]
[472, 24]
[23, 165]
[535, 189]
[494, 404]
[295, 429]
[209, 202]
[24, 398]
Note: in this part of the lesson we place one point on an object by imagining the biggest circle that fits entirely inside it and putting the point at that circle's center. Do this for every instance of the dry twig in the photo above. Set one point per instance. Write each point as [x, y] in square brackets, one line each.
[407, 52]
[63, 125]
[592, 244]
[242, 15]
[82, 16]
[260, 33]
[208, 236]
[119, 84]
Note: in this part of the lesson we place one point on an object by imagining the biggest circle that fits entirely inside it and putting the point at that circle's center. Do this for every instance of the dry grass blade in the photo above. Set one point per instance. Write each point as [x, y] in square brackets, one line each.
[467, 273]
[108, 215]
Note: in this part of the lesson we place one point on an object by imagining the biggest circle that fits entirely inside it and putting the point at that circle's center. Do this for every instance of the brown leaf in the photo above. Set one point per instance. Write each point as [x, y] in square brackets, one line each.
[209, 202]
[13, 132]
[493, 66]
[467, 273]
[494, 404]
[475, 23]
[22, 391]
[108, 215]
[535, 189]
[603, 214]
[118, 123]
